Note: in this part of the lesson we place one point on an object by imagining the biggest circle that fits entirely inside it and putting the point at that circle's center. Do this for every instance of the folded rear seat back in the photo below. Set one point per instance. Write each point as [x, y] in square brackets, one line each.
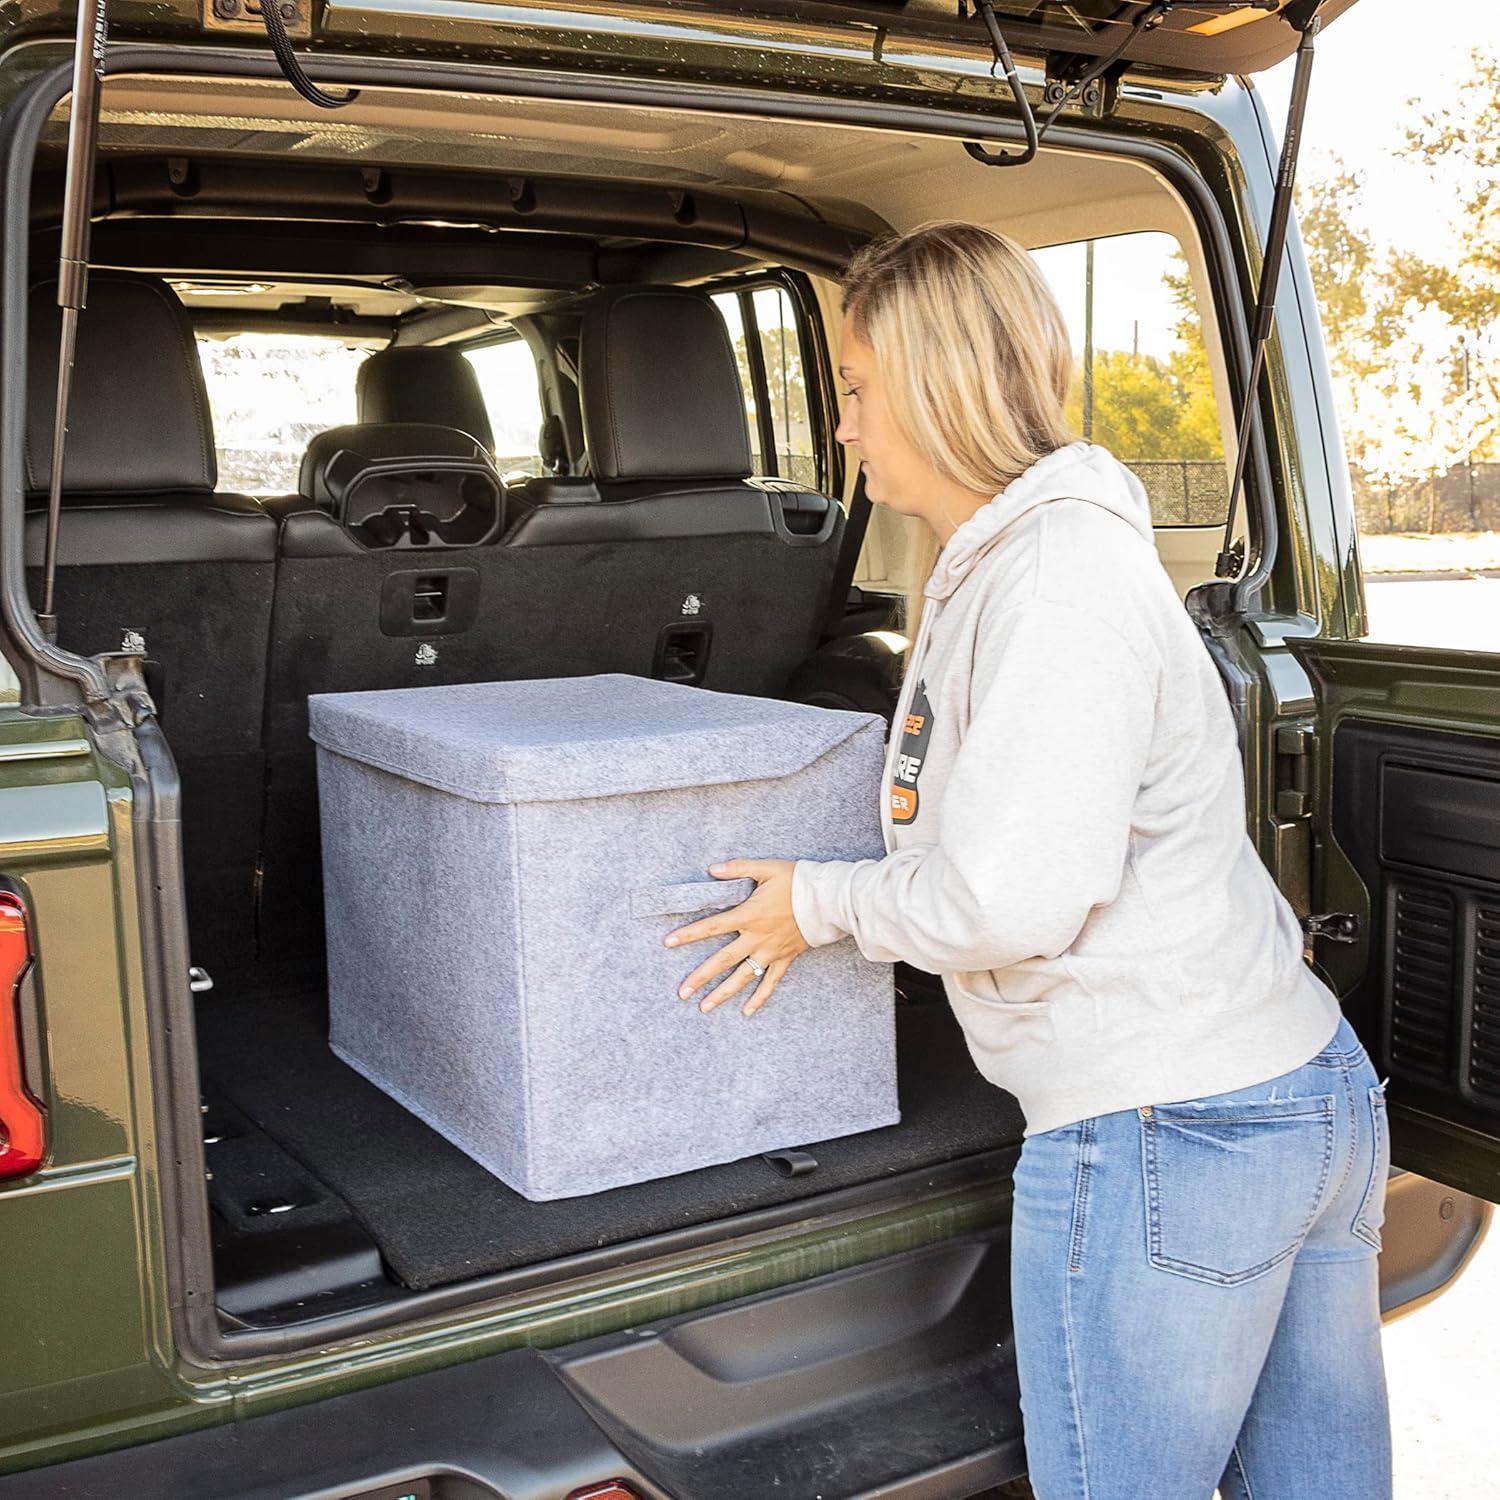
[672, 560]
[389, 575]
[152, 559]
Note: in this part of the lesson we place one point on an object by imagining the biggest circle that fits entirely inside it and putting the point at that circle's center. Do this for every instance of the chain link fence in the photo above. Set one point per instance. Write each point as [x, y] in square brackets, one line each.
[1184, 492]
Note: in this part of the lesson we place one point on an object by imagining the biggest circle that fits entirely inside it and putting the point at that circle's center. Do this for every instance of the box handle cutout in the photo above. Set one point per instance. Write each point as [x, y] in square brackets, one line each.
[698, 895]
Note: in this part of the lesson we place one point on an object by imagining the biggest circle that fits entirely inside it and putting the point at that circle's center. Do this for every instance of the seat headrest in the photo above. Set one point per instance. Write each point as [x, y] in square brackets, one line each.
[138, 418]
[433, 387]
[377, 443]
[660, 388]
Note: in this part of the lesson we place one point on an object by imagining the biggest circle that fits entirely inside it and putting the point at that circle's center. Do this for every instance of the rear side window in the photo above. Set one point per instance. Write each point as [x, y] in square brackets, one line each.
[508, 381]
[773, 364]
[269, 394]
[1144, 385]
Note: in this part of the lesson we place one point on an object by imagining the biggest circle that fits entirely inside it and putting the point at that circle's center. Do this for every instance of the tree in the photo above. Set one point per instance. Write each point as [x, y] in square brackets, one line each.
[786, 391]
[1461, 139]
[1152, 409]
[1410, 351]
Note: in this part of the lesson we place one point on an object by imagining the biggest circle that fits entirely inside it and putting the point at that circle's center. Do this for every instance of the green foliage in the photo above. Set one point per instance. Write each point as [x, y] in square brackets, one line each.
[1146, 408]
[1414, 346]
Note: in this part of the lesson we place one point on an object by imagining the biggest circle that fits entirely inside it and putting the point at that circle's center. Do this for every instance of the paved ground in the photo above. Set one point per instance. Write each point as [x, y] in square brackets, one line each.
[1443, 1369]
[1454, 611]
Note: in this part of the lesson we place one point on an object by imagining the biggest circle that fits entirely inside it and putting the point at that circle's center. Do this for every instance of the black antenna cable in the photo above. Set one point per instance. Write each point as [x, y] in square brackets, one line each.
[281, 45]
[1304, 16]
[986, 10]
[73, 264]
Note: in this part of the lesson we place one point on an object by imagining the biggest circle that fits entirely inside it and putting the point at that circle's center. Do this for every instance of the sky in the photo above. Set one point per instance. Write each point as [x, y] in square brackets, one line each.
[1368, 64]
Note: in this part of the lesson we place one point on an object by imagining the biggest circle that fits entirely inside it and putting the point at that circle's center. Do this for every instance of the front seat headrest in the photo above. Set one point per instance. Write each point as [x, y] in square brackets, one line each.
[434, 387]
[138, 417]
[660, 387]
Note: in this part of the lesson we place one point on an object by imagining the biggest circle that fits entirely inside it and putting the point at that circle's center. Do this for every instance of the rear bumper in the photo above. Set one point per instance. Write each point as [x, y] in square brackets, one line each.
[896, 1379]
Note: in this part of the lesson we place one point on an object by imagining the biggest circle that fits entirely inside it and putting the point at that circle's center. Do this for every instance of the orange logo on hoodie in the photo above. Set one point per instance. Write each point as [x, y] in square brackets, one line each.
[911, 753]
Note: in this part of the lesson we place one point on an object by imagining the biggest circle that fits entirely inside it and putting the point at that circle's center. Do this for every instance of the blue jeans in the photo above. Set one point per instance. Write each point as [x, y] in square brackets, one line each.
[1195, 1294]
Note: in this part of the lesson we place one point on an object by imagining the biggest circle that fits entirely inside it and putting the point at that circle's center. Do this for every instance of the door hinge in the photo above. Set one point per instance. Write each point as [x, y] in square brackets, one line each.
[1295, 744]
[1097, 98]
[244, 15]
[1333, 927]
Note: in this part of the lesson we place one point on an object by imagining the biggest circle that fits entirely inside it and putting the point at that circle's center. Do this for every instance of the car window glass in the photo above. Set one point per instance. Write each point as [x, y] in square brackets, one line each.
[508, 381]
[786, 386]
[1142, 386]
[269, 395]
[728, 304]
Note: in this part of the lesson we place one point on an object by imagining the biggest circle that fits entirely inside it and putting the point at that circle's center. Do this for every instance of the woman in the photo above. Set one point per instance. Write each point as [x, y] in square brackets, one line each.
[1200, 1191]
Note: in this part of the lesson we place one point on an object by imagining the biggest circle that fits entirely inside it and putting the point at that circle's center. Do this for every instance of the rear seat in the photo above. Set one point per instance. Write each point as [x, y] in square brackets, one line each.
[671, 559]
[389, 575]
[152, 559]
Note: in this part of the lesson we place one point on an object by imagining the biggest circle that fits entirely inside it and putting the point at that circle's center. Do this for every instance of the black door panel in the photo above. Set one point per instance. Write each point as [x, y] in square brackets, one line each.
[1418, 813]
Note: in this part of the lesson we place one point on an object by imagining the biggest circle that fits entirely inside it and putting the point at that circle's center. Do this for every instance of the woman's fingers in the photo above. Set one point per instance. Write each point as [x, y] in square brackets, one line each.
[722, 961]
[695, 932]
[746, 869]
[767, 986]
[742, 975]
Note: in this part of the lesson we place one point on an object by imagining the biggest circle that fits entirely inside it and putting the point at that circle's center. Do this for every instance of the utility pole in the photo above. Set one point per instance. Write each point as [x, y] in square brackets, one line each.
[1088, 341]
[1469, 456]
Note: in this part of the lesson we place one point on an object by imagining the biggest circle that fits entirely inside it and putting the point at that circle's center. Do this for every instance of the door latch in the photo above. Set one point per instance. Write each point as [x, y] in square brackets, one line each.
[1333, 927]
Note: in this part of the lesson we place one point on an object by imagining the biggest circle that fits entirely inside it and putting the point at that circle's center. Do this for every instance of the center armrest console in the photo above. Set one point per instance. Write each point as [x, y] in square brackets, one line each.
[402, 484]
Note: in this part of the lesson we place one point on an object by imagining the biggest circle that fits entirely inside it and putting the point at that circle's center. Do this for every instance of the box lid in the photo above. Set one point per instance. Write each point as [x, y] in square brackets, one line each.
[558, 739]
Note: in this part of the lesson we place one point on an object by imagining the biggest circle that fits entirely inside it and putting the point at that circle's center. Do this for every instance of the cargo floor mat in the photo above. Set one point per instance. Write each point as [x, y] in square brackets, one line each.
[439, 1217]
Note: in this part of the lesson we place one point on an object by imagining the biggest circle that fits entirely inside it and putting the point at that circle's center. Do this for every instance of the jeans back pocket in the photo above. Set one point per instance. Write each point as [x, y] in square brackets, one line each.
[1232, 1188]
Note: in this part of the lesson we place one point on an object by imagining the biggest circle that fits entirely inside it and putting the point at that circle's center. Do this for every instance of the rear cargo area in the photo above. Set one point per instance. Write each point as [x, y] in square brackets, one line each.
[654, 490]
[290, 1123]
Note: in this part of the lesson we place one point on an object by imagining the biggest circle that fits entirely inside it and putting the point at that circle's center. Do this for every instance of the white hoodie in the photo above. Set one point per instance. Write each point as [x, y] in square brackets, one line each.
[1066, 821]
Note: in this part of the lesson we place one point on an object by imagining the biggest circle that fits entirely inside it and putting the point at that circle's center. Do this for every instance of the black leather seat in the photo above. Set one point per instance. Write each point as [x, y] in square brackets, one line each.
[433, 387]
[151, 558]
[672, 560]
[389, 575]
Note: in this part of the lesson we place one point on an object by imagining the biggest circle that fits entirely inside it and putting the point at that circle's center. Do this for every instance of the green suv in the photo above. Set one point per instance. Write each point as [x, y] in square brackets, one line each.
[341, 418]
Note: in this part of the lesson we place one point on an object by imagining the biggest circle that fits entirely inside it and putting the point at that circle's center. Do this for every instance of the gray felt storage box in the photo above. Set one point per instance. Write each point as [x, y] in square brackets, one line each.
[502, 861]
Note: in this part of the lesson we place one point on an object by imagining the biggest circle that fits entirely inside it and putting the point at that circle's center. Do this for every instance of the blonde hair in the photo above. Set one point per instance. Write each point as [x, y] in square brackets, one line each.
[973, 352]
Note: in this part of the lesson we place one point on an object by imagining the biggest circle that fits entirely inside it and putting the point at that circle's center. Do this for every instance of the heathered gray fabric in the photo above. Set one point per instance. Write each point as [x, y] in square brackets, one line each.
[556, 739]
[498, 968]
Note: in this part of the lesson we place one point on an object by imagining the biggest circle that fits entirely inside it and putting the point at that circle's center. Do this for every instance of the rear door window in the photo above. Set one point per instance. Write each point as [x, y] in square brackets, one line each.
[1143, 386]
[269, 395]
[508, 381]
[774, 367]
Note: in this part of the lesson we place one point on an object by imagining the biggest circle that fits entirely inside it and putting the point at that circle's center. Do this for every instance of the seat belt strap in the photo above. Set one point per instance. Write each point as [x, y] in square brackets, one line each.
[849, 549]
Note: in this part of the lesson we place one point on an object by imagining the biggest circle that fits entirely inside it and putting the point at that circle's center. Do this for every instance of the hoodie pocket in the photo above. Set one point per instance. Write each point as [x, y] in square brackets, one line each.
[978, 988]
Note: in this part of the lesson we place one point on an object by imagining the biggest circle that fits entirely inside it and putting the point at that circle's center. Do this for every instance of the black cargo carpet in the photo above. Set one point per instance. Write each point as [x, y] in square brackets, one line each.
[439, 1217]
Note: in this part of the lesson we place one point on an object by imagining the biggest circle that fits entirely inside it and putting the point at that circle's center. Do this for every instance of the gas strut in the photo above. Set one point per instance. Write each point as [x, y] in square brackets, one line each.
[73, 266]
[1304, 16]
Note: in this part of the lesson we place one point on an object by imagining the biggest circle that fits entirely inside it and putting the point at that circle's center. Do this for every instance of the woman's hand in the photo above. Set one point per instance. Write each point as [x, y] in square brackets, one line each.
[768, 934]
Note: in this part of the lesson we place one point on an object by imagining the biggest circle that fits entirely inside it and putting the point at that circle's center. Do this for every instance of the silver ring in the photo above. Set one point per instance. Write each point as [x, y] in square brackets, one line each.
[756, 968]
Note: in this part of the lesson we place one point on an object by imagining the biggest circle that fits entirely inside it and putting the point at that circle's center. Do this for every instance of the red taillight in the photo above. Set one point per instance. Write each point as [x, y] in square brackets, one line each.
[611, 1489]
[23, 1126]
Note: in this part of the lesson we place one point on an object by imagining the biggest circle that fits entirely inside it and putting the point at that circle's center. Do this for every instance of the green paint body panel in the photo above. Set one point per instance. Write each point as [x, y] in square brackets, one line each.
[92, 1361]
